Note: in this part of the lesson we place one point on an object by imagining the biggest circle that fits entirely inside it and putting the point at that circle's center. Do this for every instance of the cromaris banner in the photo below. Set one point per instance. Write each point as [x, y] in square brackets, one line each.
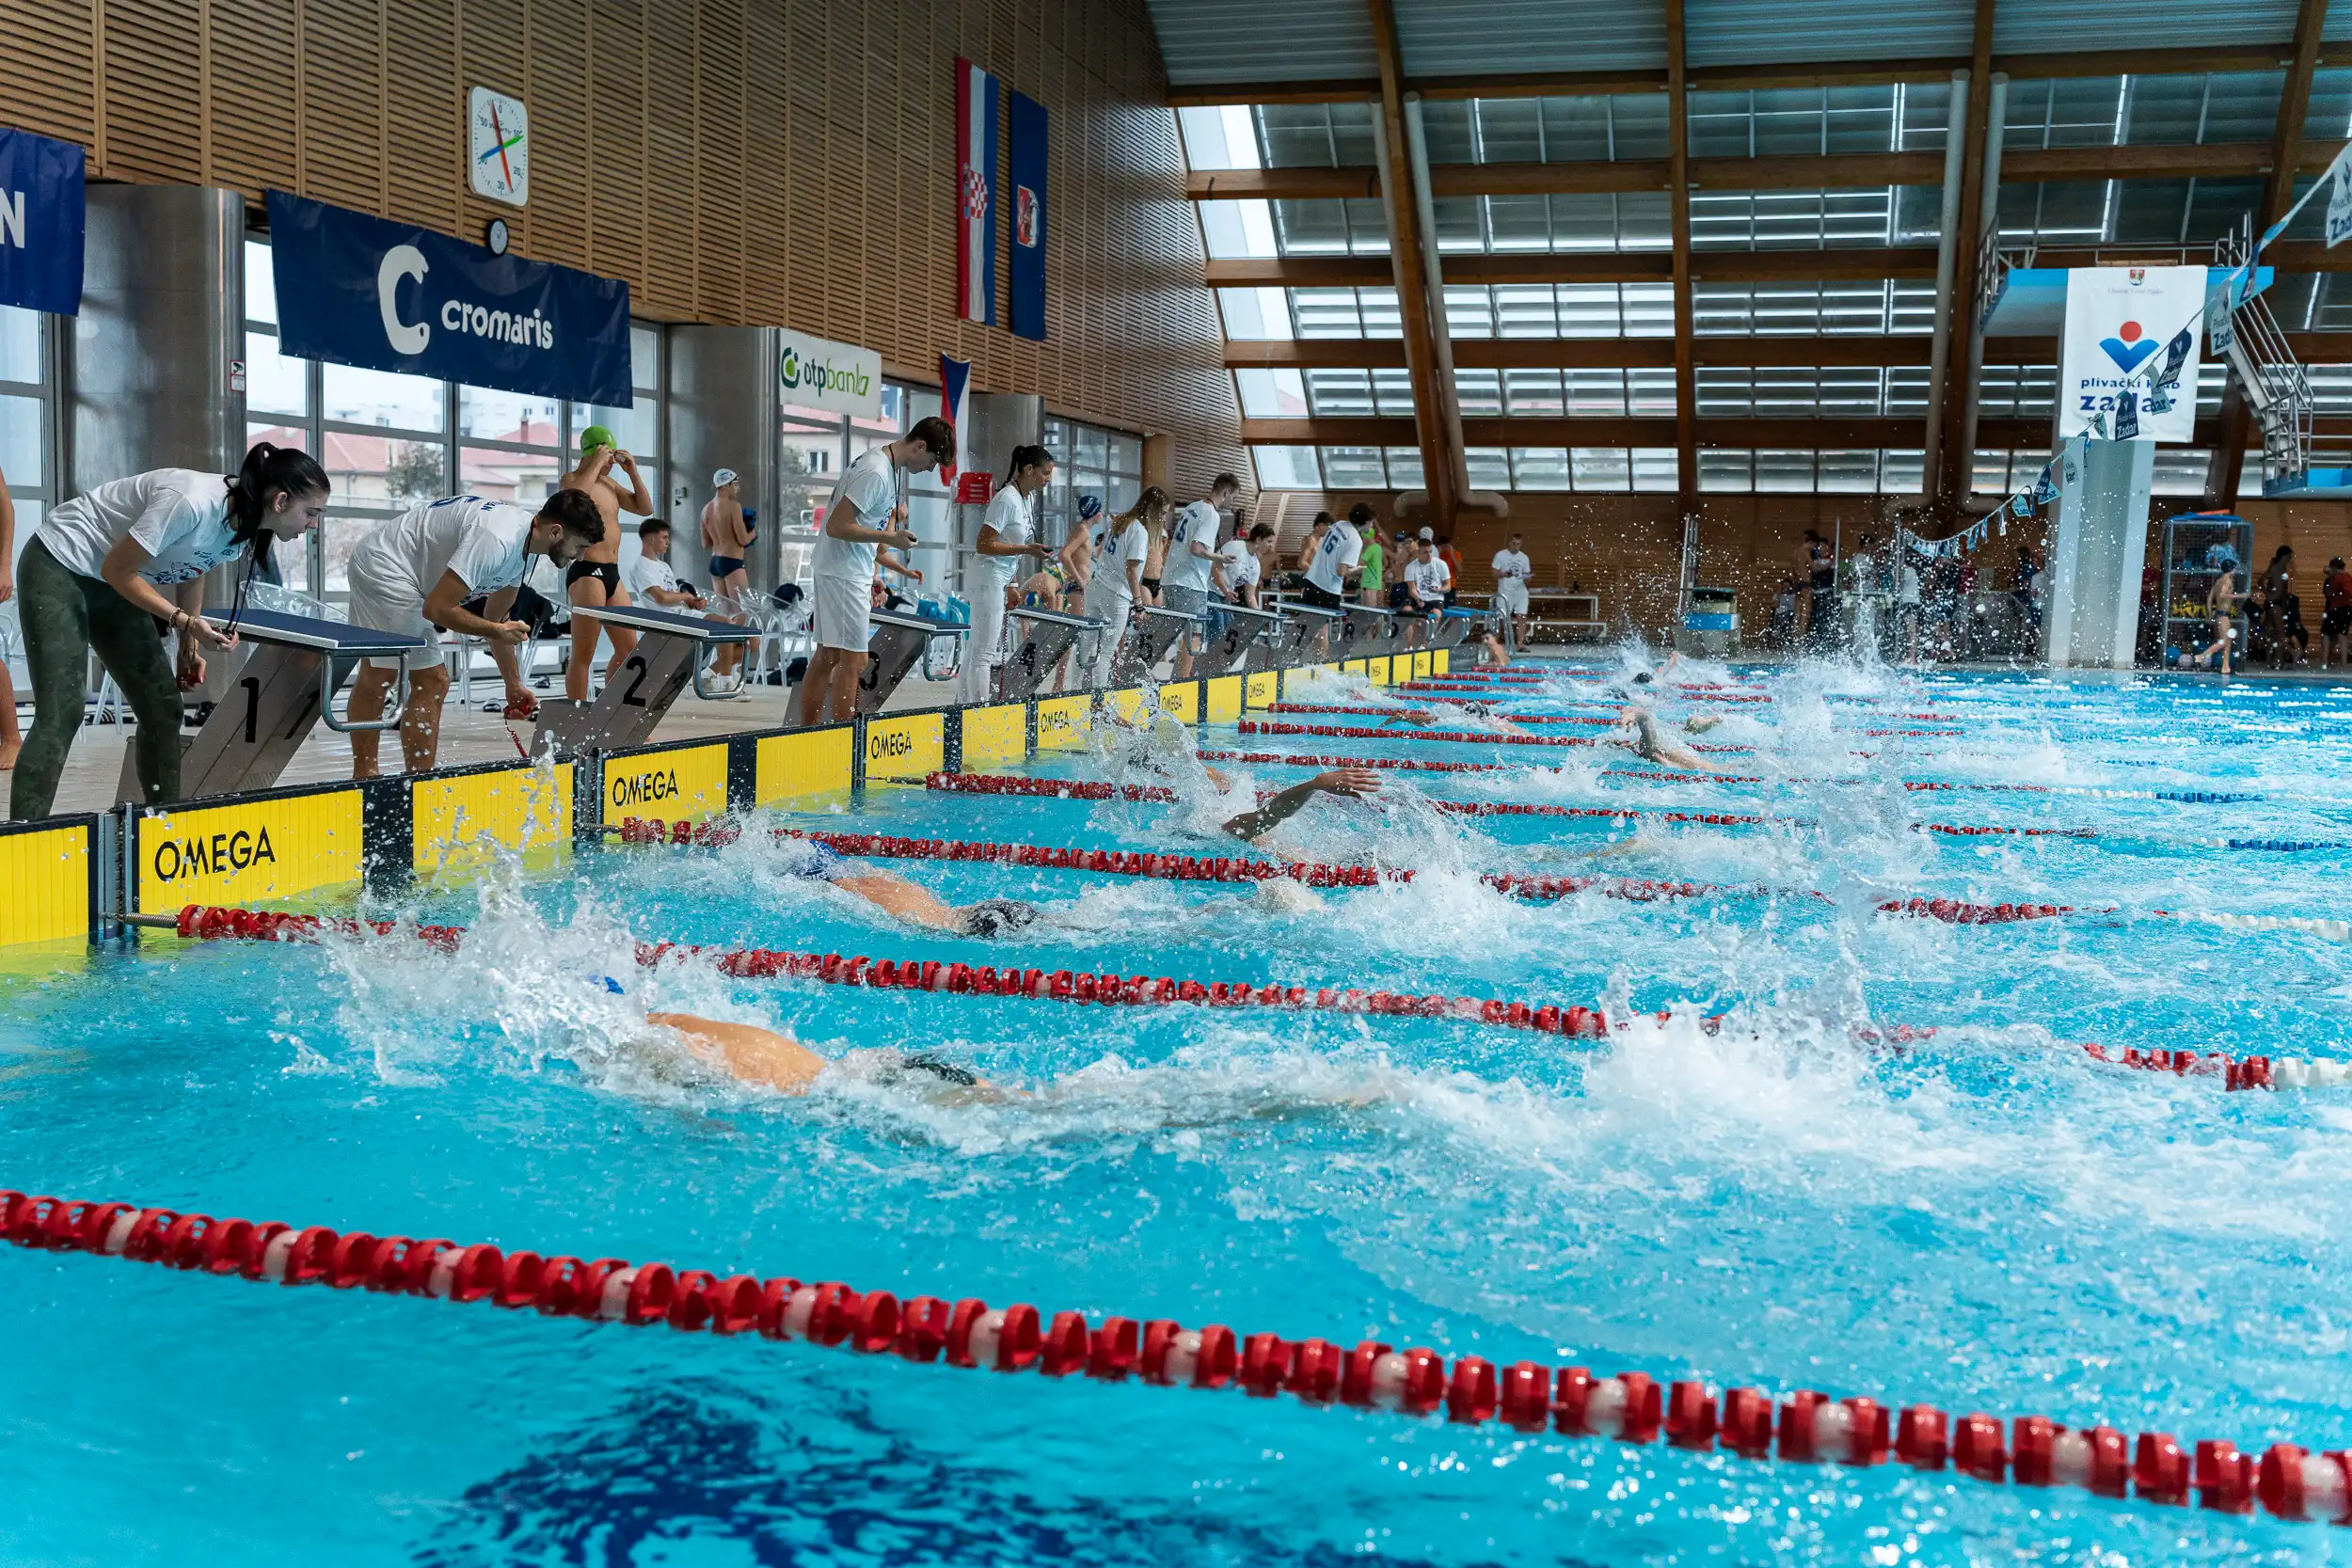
[818, 372]
[363, 291]
[41, 223]
[2120, 321]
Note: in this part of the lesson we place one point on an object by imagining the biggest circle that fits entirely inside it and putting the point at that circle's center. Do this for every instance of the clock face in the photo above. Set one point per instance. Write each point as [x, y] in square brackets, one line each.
[500, 137]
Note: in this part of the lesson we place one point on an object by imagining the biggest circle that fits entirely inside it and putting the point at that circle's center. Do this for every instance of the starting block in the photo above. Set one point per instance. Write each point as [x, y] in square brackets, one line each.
[287, 685]
[898, 644]
[1047, 637]
[1304, 629]
[1372, 630]
[673, 647]
[1229, 647]
[1455, 626]
[1153, 631]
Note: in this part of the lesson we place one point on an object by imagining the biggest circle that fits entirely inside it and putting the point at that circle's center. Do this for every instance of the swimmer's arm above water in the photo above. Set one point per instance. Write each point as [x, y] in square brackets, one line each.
[755, 1055]
[1355, 782]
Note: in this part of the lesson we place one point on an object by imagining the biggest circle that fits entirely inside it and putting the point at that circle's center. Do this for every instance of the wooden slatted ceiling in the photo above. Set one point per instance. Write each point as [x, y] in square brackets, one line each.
[751, 161]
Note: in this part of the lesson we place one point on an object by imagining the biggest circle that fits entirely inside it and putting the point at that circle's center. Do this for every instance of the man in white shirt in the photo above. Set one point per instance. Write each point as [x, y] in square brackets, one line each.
[1112, 590]
[414, 576]
[1326, 573]
[1512, 571]
[1907, 605]
[1241, 565]
[867, 511]
[1426, 581]
[1192, 550]
[650, 577]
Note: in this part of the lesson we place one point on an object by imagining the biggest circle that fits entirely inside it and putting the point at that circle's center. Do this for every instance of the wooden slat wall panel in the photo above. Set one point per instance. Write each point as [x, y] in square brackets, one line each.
[46, 75]
[554, 61]
[425, 116]
[721, 111]
[673, 172]
[156, 80]
[251, 152]
[737, 161]
[342, 154]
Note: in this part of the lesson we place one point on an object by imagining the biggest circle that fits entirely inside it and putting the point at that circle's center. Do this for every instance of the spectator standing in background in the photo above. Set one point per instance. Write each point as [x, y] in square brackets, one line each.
[1452, 559]
[593, 579]
[1373, 581]
[1190, 560]
[2335, 620]
[1512, 570]
[1907, 606]
[1314, 546]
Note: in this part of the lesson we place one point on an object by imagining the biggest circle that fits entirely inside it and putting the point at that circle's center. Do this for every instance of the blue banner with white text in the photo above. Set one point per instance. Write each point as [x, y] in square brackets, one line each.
[1026, 125]
[41, 190]
[363, 291]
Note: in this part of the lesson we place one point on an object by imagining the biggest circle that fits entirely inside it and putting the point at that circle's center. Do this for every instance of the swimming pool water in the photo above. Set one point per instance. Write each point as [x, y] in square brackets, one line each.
[1984, 1220]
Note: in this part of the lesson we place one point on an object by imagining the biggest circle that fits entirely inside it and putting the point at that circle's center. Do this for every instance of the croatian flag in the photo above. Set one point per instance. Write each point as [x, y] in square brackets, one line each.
[955, 402]
[976, 193]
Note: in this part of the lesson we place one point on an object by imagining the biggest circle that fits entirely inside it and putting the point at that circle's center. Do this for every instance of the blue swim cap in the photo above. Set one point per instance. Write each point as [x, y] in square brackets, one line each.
[614, 986]
[1089, 508]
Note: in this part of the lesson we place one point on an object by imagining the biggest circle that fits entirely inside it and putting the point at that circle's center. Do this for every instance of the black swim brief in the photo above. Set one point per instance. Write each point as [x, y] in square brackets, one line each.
[604, 570]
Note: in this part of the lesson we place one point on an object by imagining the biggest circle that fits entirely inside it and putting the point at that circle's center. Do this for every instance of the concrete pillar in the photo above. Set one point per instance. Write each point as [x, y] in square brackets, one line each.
[158, 351]
[723, 415]
[1159, 463]
[2097, 554]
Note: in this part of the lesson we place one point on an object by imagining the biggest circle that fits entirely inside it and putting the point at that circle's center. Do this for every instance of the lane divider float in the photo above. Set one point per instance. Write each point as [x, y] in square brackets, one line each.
[209, 923]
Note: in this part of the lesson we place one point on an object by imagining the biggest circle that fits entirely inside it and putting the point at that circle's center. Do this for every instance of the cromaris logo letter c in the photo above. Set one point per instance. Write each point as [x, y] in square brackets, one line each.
[2127, 348]
[402, 260]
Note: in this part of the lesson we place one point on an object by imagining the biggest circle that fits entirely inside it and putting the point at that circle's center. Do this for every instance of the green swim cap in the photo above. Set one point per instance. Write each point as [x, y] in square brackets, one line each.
[594, 436]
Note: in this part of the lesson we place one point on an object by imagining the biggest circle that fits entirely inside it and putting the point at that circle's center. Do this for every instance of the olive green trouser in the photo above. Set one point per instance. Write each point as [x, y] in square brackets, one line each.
[65, 616]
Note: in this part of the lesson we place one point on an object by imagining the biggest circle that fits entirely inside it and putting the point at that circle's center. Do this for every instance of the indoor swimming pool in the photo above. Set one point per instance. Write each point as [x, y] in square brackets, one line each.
[1838, 1131]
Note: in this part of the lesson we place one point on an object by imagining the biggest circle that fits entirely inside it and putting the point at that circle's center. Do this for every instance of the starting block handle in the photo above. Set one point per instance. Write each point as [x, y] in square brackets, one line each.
[392, 713]
[704, 655]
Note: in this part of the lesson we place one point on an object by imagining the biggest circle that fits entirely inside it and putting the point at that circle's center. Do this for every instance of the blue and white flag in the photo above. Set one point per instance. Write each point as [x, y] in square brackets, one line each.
[2045, 489]
[1026, 156]
[41, 223]
[2127, 416]
[955, 404]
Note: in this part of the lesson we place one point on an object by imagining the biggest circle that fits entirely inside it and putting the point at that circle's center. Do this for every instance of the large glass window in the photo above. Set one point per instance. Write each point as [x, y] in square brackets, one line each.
[1088, 460]
[28, 427]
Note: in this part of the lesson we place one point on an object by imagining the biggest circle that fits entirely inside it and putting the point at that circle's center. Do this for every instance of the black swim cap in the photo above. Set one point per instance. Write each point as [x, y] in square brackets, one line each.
[994, 917]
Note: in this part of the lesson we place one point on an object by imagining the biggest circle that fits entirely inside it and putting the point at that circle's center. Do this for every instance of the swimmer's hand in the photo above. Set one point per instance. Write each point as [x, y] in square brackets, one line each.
[1354, 783]
[1704, 722]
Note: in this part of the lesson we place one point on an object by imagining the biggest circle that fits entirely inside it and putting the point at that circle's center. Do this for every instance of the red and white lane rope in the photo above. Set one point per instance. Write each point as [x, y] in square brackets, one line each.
[207, 923]
[1804, 1426]
[1366, 732]
[1008, 784]
[1071, 789]
[1223, 869]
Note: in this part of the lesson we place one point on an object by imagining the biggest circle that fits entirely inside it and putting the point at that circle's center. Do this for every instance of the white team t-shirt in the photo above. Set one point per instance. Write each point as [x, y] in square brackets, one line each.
[481, 541]
[647, 572]
[1009, 514]
[870, 485]
[1514, 563]
[1429, 579]
[1195, 524]
[1342, 548]
[1109, 576]
[1241, 566]
[179, 516]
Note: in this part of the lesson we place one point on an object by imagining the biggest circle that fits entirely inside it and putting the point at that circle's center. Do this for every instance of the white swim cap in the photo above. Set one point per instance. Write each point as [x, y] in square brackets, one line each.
[723, 478]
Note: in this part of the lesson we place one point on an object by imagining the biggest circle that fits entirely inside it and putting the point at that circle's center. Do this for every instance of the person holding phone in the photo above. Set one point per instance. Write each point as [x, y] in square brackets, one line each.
[868, 510]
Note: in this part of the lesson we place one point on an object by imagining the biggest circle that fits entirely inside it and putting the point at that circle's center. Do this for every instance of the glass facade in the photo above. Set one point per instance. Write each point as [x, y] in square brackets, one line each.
[1779, 129]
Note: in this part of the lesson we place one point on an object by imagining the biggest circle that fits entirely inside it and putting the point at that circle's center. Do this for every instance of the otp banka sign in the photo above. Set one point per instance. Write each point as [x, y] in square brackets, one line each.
[818, 372]
[357, 289]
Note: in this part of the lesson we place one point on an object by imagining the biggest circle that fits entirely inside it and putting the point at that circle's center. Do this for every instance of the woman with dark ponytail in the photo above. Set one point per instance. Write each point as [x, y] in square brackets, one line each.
[1008, 537]
[106, 570]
